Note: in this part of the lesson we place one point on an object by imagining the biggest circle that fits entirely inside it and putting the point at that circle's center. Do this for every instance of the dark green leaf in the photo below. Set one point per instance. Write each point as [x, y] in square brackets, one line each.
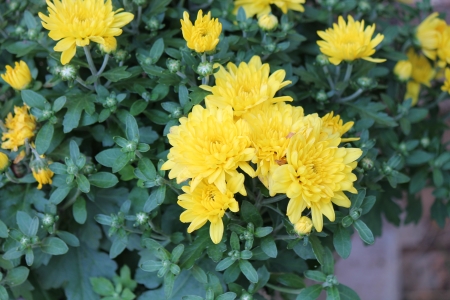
[119, 244]
[317, 248]
[3, 230]
[248, 270]
[108, 157]
[195, 250]
[157, 50]
[68, 238]
[132, 129]
[347, 293]
[33, 99]
[102, 286]
[439, 212]
[147, 168]
[75, 106]
[364, 232]
[224, 264]
[263, 231]
[342, 242]
[155, 199]
[79, 210]
[269, 247]
[250, 214]
[310, 293]
[25, 223]
[83, 183]
[199, 274]
[419, 157]
[103, 180]
[333, 293]
[316, 275]
[59, 194]
[117, 74]
[44, 137]
[17, 276]
[54, 246]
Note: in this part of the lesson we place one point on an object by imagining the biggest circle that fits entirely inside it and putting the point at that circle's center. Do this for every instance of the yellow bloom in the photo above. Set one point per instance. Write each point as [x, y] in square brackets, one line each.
[262, 7]
[203, 36]
[109, 45]
[349, 41]
[412, 91]
[422, 71]
[403, 70]
[4, 162]
[42, 173]
[210, 144]
[245, 86]
[303, 225]
[446, 86]
[268, 22]
[207, 203]
[443, 49]
[77, 23]
[316, 174]
[428, 34]
[332, 125]
[19, 77]
[20, 127]
[272, 127]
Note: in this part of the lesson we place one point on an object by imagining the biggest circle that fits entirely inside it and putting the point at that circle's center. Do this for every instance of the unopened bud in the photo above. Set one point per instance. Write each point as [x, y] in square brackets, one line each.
[356, 214]
[121, 55]
[387, 170]
[111, 101]
[68, 72]
[303, 226]
[364, 6]
[19, 30]
[141, 218]
[322, 60]
[425, 142]
[173, 65]
[205, 68]
[32, 34]
[367, 163]
[347, 221]
[270, 47]
[364, 82]
[48, 220]
[321, 96]
[13, 5]
[153, 24]
[246, 296]
[268, 22]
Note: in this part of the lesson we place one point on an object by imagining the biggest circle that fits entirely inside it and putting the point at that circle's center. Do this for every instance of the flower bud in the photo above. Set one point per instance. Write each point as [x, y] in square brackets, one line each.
[356, 214]
[347, 221]
[177, 113]
[140, 2]
[4, 162]
[322, 60]
[425, 142]
[364, 6]
[403, 70]
[367, 163]
[13, 5]
[141, 218]
[153, 24]
[19, 30]
[205, 68]
[173, 65]
[330, 3]
[130, 147]
[268, 22]
[121, 55]
[68, 72]
[246, 296]
[270, 47]
[321, 96]
[48, 220]
[32, 34]
[89, 169]
[110, 101]
[303, 226]
[364, 82]
[387, 170]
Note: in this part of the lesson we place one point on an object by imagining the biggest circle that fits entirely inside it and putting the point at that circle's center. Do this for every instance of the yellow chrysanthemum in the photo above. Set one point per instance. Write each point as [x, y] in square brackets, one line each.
[446, 86]
[77, 23]
[272, 127]
[203, 36]
[42, 173]
[422, 71]
[268, 22]
[262, 7]
[443, 49]
[349, 41]
[207, 203]
[4, 162]
[20, 127]
[412, 91]
[109, 45]
[403, 70]
[332, 125]
[19, 77]
[303, 225]
[210, 144]
[428, 34]
[245, 86]
[316, 174]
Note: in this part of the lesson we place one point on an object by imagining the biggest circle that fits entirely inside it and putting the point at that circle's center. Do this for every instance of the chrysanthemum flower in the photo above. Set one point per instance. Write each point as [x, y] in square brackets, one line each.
[316, 174]
[41, 172]
[109, 45]
[20, 127]
[412, 91]
[268, 22]
[4, 162]
[403, 70]
[203, 36]
[303, 225]
[349, 41]
[245, 86]
[428, 34]
[272, 127]
[422, 71]
[19, 77]
[332, 125]
[262, 7]
[446, 86]
[77, 23]
[206, 203]
[209, 144]
[443, 49]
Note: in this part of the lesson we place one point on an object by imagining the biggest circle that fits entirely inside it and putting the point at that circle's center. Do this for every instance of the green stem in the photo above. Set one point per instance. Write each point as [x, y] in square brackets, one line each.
[283, 289]
[351, 97]
[327, 73]
[348, 73]
[81, 81]
[273, 200]
[92, 67]
[105, 63]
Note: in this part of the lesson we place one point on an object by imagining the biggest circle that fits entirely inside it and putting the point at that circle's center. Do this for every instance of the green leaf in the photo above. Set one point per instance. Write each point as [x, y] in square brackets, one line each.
[358, 199]
[364, 232]
[371, 110]
[68, 238]
[44, 138]
[263, 231]
[227, 296]
[3, 293]
[342, 242]
[317, 248]
[132, 129]
[108, 157]
[83, 183]
[103, 219]
[333, 293]
[59, 194]
[120, 162]
[367, 205]
[155, 199]
[347, 293]
[234, 241]
[138, 107]
[250, 214]
[102, 286]
[310, 293]
[199, 274]
[232, 273]
[103, 180]
[75, 106]
[316, 275]
[328, 262]
[195, 250]
[33, 99]
[303, 251]
[439, 212]
[157, 50]
[169, 282]
[438, 177]
[248, 270]
[177, 252]
[17, 276]
[26, 224]
[13, 254]
[224, 264]
[3, 230]
[269, 247]
[59, 103]
[79, 210]
[151, 265]
[419, 157]
[58, 168]
[21, 48]
[117, 74]
[147, 168]
[119, 244]
[54, 246]
[29, 257]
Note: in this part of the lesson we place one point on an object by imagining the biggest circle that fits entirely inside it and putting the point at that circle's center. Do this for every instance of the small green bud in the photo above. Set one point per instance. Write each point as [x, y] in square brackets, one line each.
[121, 55]
[46, 114]
[321, 96]
[141, 218]
[387, 170]
[402, 147]
[209, 294]
[234, 254]
[72, 169]
[140, 2]
[205, 68]
[153, 24]
[19, 30]
[68, 72]
[356, 214]
[248, 244]
[251, 227]
[347, 221]
[177, 113]
[35, 240]
[24, 241]
[111, 101]
[270, 47]
[13, 5]
[331, 281]
[286, 26]
[322, 60]
[425, 142]
[48, 220]
[173, 65]
[89, 169]
[364, 6]
[159, 180]
[32, 34]
[364, 82]
[367, 163]
[246, 296]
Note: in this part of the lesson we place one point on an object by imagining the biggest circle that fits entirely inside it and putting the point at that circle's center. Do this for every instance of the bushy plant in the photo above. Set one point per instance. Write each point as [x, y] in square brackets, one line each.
[157, 149]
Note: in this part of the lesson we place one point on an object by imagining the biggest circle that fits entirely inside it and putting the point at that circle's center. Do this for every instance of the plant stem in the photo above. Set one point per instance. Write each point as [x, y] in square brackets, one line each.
[284, 290]
[105, 63]
[351, 97]
[327, 73]
[81, 81]
[348, 73]
[92, 67]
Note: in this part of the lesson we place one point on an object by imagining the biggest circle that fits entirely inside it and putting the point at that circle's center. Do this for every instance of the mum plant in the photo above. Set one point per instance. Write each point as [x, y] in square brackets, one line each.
[157, 149]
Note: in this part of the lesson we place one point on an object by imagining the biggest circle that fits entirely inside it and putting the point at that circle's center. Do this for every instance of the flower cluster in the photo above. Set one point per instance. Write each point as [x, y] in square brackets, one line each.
[244, 122]
[20, 128]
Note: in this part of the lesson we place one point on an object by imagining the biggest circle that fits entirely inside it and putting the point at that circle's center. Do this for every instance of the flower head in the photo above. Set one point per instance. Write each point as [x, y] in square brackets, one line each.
[19, 77]
[4, 162]
[41, 172]
[20, 127]
[110, 44]
[428, 34]
[403, 70]
[422, 71]
[77, 23]
[262, 7]
[209, 144]
[332, 125]
[303, 225]
[203, 36]
[316, 174]
[349, 41]
[206, 203]
[245, 86]
[446, 86]
[443, 49]
[268, 22]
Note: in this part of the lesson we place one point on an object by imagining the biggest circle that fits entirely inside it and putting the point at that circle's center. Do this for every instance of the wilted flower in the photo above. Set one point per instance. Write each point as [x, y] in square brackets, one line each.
[203, 36]
[77, 23]
[41, 172]
[303, 225]
[268, 22]
[20, 127]
[349, 41]
[403, 70]
[19, 77]
[262, 7]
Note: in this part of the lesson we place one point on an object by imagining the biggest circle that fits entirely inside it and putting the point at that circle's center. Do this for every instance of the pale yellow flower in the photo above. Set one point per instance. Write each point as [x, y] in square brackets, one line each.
[268, 22]
[422, 71]
[428, 34]
[4, 162]
[446, 86]
[206, 203]
[403, 70]
[262, 7]
[412, 91]
[245, 86]
[316, 174]
[349, 41]
[77, 23]
[303, 225]
[19, 77]
[210, 144]
[203, 36]
[20, 127]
